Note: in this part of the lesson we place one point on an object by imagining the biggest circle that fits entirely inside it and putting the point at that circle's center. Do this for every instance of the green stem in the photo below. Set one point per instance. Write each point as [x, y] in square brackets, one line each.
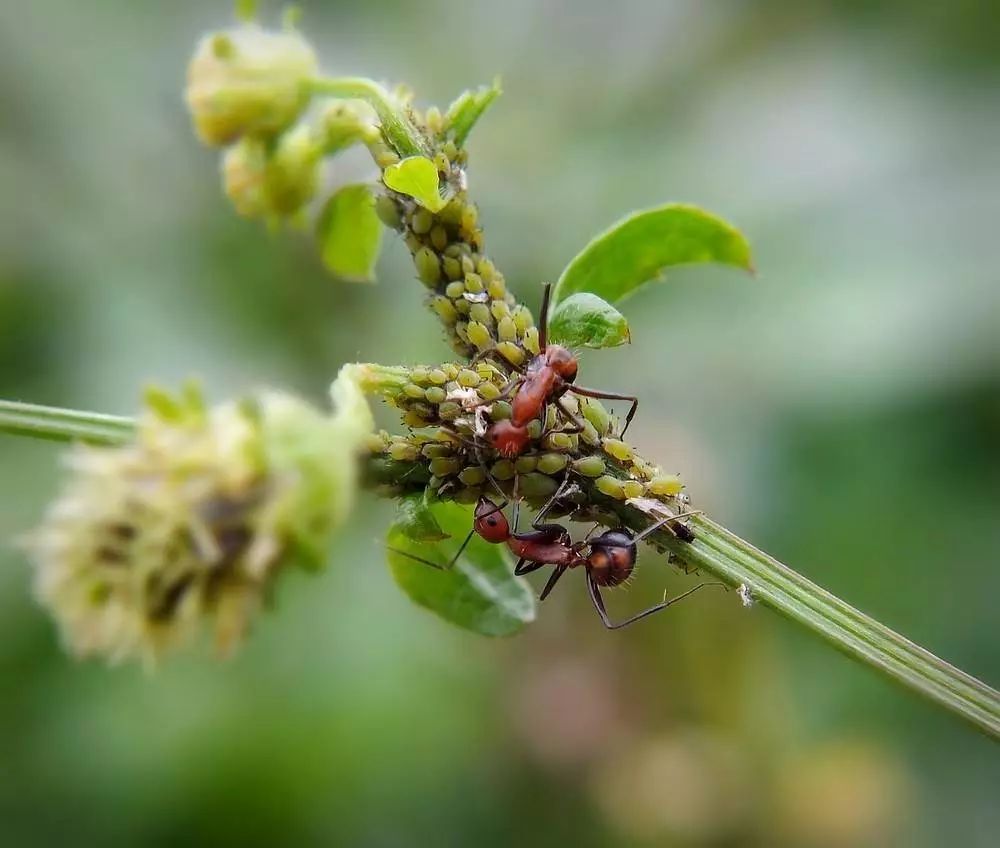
[715, 551]
[397, 127]
[64, 425]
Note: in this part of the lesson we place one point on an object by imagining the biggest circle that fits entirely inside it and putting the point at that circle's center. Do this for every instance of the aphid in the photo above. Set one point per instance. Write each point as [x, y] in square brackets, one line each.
[608, 558]
[546, 378]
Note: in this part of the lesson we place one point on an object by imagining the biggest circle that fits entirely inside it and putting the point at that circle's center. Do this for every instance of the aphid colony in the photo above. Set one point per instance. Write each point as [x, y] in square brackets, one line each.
[513, 422]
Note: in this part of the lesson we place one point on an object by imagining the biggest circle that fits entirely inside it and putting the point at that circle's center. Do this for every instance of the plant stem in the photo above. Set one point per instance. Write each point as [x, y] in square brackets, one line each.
[397, 127]
[65, 425]
[715, 551]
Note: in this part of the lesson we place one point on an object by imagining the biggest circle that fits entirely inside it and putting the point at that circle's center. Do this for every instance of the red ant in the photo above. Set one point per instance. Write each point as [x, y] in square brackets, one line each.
[547, 377]
[608, 558]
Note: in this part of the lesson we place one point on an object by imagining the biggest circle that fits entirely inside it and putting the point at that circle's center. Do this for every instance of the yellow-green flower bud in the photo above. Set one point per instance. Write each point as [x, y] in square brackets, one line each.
[248, 81]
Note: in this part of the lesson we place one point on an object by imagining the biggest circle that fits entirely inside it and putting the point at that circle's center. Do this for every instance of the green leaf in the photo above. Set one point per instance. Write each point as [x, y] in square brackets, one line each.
[415, 518]
[480, 593]
[468, 108]
[586, 320]
[417, 177]
[350, 233]
[642, 246]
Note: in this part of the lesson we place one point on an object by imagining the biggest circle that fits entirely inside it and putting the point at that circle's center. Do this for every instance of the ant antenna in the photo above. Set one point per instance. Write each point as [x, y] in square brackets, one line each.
[665, 522]
[543, 327]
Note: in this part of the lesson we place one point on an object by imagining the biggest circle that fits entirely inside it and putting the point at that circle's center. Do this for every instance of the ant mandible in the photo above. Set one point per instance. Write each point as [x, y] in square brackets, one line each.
[548, 376]
[608, 558]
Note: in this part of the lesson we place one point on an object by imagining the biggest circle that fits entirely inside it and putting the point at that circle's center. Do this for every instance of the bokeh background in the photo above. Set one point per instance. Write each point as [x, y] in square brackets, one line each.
[842, 411]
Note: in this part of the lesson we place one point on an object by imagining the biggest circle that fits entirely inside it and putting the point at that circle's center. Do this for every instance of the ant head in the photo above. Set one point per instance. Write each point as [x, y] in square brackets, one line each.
[612, 558]
[562, 361]
[507, 438]
[490, 522]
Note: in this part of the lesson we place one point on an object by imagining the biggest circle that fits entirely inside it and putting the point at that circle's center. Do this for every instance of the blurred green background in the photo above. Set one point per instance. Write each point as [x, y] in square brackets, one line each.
[842, 411]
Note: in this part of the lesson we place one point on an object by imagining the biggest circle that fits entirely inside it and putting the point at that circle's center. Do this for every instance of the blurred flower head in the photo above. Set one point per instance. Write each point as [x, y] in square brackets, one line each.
[192, 521]
[248, 81]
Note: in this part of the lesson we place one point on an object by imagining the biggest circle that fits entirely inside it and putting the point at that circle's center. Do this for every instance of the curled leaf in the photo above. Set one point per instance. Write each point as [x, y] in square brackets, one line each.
[468, 108]
[350, 233]
[479, 593]
[641, 247]
[586, 320]
[416, 177]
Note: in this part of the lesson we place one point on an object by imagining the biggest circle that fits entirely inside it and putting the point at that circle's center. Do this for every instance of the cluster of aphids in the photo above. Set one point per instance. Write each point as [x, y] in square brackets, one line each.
[514, 423]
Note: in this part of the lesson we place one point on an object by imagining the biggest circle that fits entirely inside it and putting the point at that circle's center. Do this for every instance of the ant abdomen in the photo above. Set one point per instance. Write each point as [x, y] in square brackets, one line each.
[612, 558]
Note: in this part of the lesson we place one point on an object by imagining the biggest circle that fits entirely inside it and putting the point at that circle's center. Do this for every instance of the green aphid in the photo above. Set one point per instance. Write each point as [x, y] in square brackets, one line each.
[481, 312]
[552, 463]
[388, 212]
[589, 435]
[421, 222]
[473, 283]
[470, 217]
[618, 449]
[412, 418]
[428, 266]
[419, 374]
[467, 496]
[453, 250]
[530, 340]
[444, 466]
[452, 268]
[511, 352]
[551, 416]
[413, 242]
[610, 486]
[479, 335]
[666, 485]
[524, 464]
[450, 149]
[403, 451]
[468, 266]
[486, 270]
[439, 237]
[496, 288]
[501, 411]
[503, 469]
[449, 410]
[442, 163]
[474, 475]
[469, 379]
[435, 394]
[534, 429]
[558, 441]
[535, 486]
[437, 376]
[489, 391]
[444, 308]
[501, 310]
[435, 450]
[461, 306]
[589, 466]
[414, 391]
[455, 290]
[596, 414]
[451, 369]
[633, 489]
[522, 318]
[506, 330]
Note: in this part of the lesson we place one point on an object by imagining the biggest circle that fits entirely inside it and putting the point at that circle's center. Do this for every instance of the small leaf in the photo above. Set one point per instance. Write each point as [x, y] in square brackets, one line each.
[468, 108]
[415, 518]
[642, 246]
[350, 233]
[417, 177]
[586, 320]
[480, 593]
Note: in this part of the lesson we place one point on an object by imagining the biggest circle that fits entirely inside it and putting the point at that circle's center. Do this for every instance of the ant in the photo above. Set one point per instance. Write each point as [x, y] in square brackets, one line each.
[608, 558]
[547, 377]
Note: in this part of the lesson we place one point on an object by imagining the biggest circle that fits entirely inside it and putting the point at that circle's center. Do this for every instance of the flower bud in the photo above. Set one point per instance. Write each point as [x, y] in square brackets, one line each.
[193, 520]
[263, 183]
[248, 81]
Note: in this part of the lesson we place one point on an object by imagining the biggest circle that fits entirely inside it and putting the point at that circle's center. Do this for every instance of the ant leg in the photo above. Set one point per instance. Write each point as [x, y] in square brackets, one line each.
[553, 579]
[517, 503]
[492, 351]
[595, 393]
[595, 596]
[537, 523]
[526, 567]
[665, 522]
[573, 418]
